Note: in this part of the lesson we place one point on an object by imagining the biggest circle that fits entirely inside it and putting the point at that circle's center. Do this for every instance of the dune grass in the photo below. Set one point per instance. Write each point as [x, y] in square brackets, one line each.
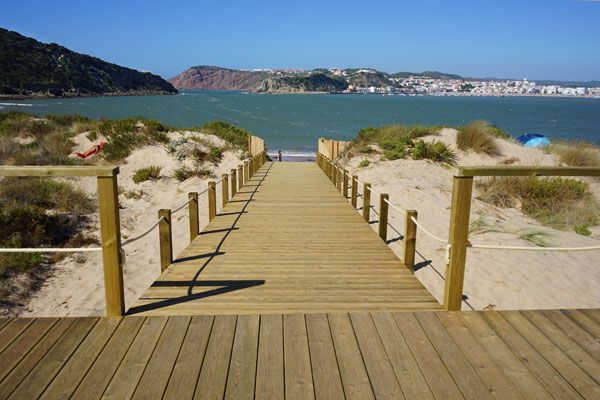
[184, 173]
[435, 151]
[146, 173]
[560, 203]
[479, 136]
[576, 153]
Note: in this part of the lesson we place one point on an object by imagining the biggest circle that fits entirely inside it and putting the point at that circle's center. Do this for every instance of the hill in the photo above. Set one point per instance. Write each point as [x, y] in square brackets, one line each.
[29, 68]
[216, 78]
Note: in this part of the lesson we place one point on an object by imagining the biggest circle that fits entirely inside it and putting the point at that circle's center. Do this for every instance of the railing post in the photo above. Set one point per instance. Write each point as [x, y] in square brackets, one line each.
[459, 231]
[354, 190]
[111, 245]
[166, 240]
[246, 171]
[366, 201]
[345, 184]
[410, 239]
[225, 190]
[240, 177]
[339, 178]
[193, 212]
[383, 216]
[212, 201]
[333, 173]
[233, 182]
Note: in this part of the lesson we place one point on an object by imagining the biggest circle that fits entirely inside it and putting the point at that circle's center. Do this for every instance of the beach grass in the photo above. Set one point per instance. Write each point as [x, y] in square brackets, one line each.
[435, 151]
[146, 173]
[576, 153]
[479, 136]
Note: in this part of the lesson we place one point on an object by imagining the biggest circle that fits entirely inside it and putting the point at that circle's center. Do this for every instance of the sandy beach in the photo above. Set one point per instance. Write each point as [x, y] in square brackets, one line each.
[496, 279]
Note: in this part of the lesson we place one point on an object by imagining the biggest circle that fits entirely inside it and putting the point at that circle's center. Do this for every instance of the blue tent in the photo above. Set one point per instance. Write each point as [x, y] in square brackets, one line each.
[533, 140]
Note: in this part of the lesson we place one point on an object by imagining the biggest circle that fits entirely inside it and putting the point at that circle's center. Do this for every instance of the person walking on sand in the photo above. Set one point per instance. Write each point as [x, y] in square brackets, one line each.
[279, 156]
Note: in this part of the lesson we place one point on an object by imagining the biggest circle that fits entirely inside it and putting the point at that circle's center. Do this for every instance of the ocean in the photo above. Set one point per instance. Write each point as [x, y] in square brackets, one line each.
[293, 122]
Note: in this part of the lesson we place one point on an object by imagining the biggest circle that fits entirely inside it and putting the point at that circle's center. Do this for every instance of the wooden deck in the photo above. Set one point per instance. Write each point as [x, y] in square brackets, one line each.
[287, 243]
[422, 355]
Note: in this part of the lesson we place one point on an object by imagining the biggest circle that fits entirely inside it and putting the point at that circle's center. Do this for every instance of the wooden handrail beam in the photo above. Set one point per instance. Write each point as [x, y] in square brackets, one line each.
[527, 171]
[70, 170]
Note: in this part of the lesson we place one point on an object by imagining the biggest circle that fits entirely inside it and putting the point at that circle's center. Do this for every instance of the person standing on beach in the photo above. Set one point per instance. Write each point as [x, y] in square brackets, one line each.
[279, 156]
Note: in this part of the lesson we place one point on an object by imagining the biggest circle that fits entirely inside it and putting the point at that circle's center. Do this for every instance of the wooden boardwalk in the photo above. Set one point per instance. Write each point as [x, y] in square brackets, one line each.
[383, 355]
[288, 242]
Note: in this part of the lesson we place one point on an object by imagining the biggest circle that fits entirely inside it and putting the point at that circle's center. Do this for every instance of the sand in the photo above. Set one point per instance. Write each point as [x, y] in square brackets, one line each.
[497, 279]
[76, 286]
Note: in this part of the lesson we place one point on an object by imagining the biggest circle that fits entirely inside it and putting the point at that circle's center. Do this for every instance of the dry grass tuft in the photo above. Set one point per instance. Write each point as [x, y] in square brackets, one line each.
[478, 136]
[576, 154]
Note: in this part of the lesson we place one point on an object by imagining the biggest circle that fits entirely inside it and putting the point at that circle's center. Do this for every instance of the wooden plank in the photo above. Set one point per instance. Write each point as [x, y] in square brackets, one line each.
[68, 170]
[27, 363]
[566, 367]
[12, 331]
[575, 332]
[4, 321]
[440, 382]
[553, 382]
[242, 368]
[509, 362]
[326, 376]
[42, 374]
[298, 370]
[99, 375]
[381, 373]
[461, 370]
[566, 345]
[187, 368]
[412, 381]
[352, 370]
[490, 373]
[213, 375]
[127, 376]
[158, 370]
[65, 383]
[518, 170]
[269, 368]
[584, 321]
[19, 347]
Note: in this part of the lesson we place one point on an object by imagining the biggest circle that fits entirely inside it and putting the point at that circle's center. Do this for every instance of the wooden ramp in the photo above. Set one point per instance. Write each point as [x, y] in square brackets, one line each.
[287, 242]
[422, 355]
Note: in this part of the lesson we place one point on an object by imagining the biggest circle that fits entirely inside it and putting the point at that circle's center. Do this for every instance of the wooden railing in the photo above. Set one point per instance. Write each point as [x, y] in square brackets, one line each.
[109, 216]
[331, 148]
[256, 145]
[457, 242]
[109, 222]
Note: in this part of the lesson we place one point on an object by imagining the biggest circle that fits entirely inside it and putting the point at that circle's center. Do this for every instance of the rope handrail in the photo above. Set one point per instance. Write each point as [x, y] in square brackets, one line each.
[401, 211]
[181, 206]
[50, 249]
[414, 220]
[530, 248]
[133, 239]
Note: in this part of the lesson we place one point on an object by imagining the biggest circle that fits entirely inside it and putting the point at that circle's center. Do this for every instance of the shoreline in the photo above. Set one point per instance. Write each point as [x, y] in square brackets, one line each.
[76, 96]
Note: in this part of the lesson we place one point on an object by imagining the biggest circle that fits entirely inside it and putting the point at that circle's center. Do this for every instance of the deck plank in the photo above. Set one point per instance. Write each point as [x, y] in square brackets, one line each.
[297, 363]
[242, 368]
[269, 367]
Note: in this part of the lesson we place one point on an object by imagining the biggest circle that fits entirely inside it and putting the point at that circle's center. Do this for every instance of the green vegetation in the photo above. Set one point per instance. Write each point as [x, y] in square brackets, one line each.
[143, 174]
[537, 237]
[29, 67]
[576, 154]
[238, 137]
[125, 135]
[364, 163]
[435, 151]
[315, 82]
[26, 222]
[478, 136]
[556, 202]
[183, 173]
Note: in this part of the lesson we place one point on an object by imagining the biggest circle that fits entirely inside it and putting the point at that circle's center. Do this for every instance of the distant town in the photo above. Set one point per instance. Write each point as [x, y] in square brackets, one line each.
[443, 86]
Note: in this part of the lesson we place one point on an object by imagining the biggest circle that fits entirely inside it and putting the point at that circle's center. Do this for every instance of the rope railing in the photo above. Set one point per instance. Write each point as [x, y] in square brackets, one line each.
[133, 239]
[50, 250]
[531, 248]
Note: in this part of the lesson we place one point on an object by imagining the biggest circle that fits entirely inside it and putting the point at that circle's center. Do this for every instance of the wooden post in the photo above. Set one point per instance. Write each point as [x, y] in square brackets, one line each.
[246, 171]
[240, 177]
[212, 200]
[345, 184]
[225, 190]
[233, 182]
[193, 212]
[339, 172]
[383, 216]
[166, 240]
[111, 245]
[366, 201]
[410, 240]
[333, 173]
[354, 190]
[459, 233]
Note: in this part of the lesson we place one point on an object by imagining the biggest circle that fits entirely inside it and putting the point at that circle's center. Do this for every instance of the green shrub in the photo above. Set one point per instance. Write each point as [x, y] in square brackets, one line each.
[230, 133]
[583, 229]
[183, 173]
[435, 151]
[126, 135]
[557, 202]
[143, 174]
[394, 154]
[364, 163]
[479, 137]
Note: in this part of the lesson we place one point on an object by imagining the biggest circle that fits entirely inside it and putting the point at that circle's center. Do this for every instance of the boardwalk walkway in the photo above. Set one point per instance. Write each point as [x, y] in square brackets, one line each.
[383, 355]
[288, 242]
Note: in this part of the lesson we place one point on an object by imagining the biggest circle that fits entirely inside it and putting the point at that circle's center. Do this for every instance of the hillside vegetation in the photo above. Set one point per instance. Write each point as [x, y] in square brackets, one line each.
[29, 68]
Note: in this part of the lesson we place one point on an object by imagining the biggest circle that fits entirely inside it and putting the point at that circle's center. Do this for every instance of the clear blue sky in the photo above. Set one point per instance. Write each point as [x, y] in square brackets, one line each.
[534, 39]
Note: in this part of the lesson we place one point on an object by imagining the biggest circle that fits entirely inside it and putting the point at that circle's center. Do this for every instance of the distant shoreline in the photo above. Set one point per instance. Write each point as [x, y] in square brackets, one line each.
[76, 96]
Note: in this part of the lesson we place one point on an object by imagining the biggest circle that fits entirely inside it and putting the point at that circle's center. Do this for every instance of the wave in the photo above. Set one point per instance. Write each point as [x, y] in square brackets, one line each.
[17, 104]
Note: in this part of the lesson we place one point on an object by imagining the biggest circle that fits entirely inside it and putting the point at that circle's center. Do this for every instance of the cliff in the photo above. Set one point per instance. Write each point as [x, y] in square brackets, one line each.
[29, 68]
[216, 78]
[316, 82]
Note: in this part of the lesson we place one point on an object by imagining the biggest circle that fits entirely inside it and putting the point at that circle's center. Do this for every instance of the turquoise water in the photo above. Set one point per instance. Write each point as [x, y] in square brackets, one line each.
[293, 122]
